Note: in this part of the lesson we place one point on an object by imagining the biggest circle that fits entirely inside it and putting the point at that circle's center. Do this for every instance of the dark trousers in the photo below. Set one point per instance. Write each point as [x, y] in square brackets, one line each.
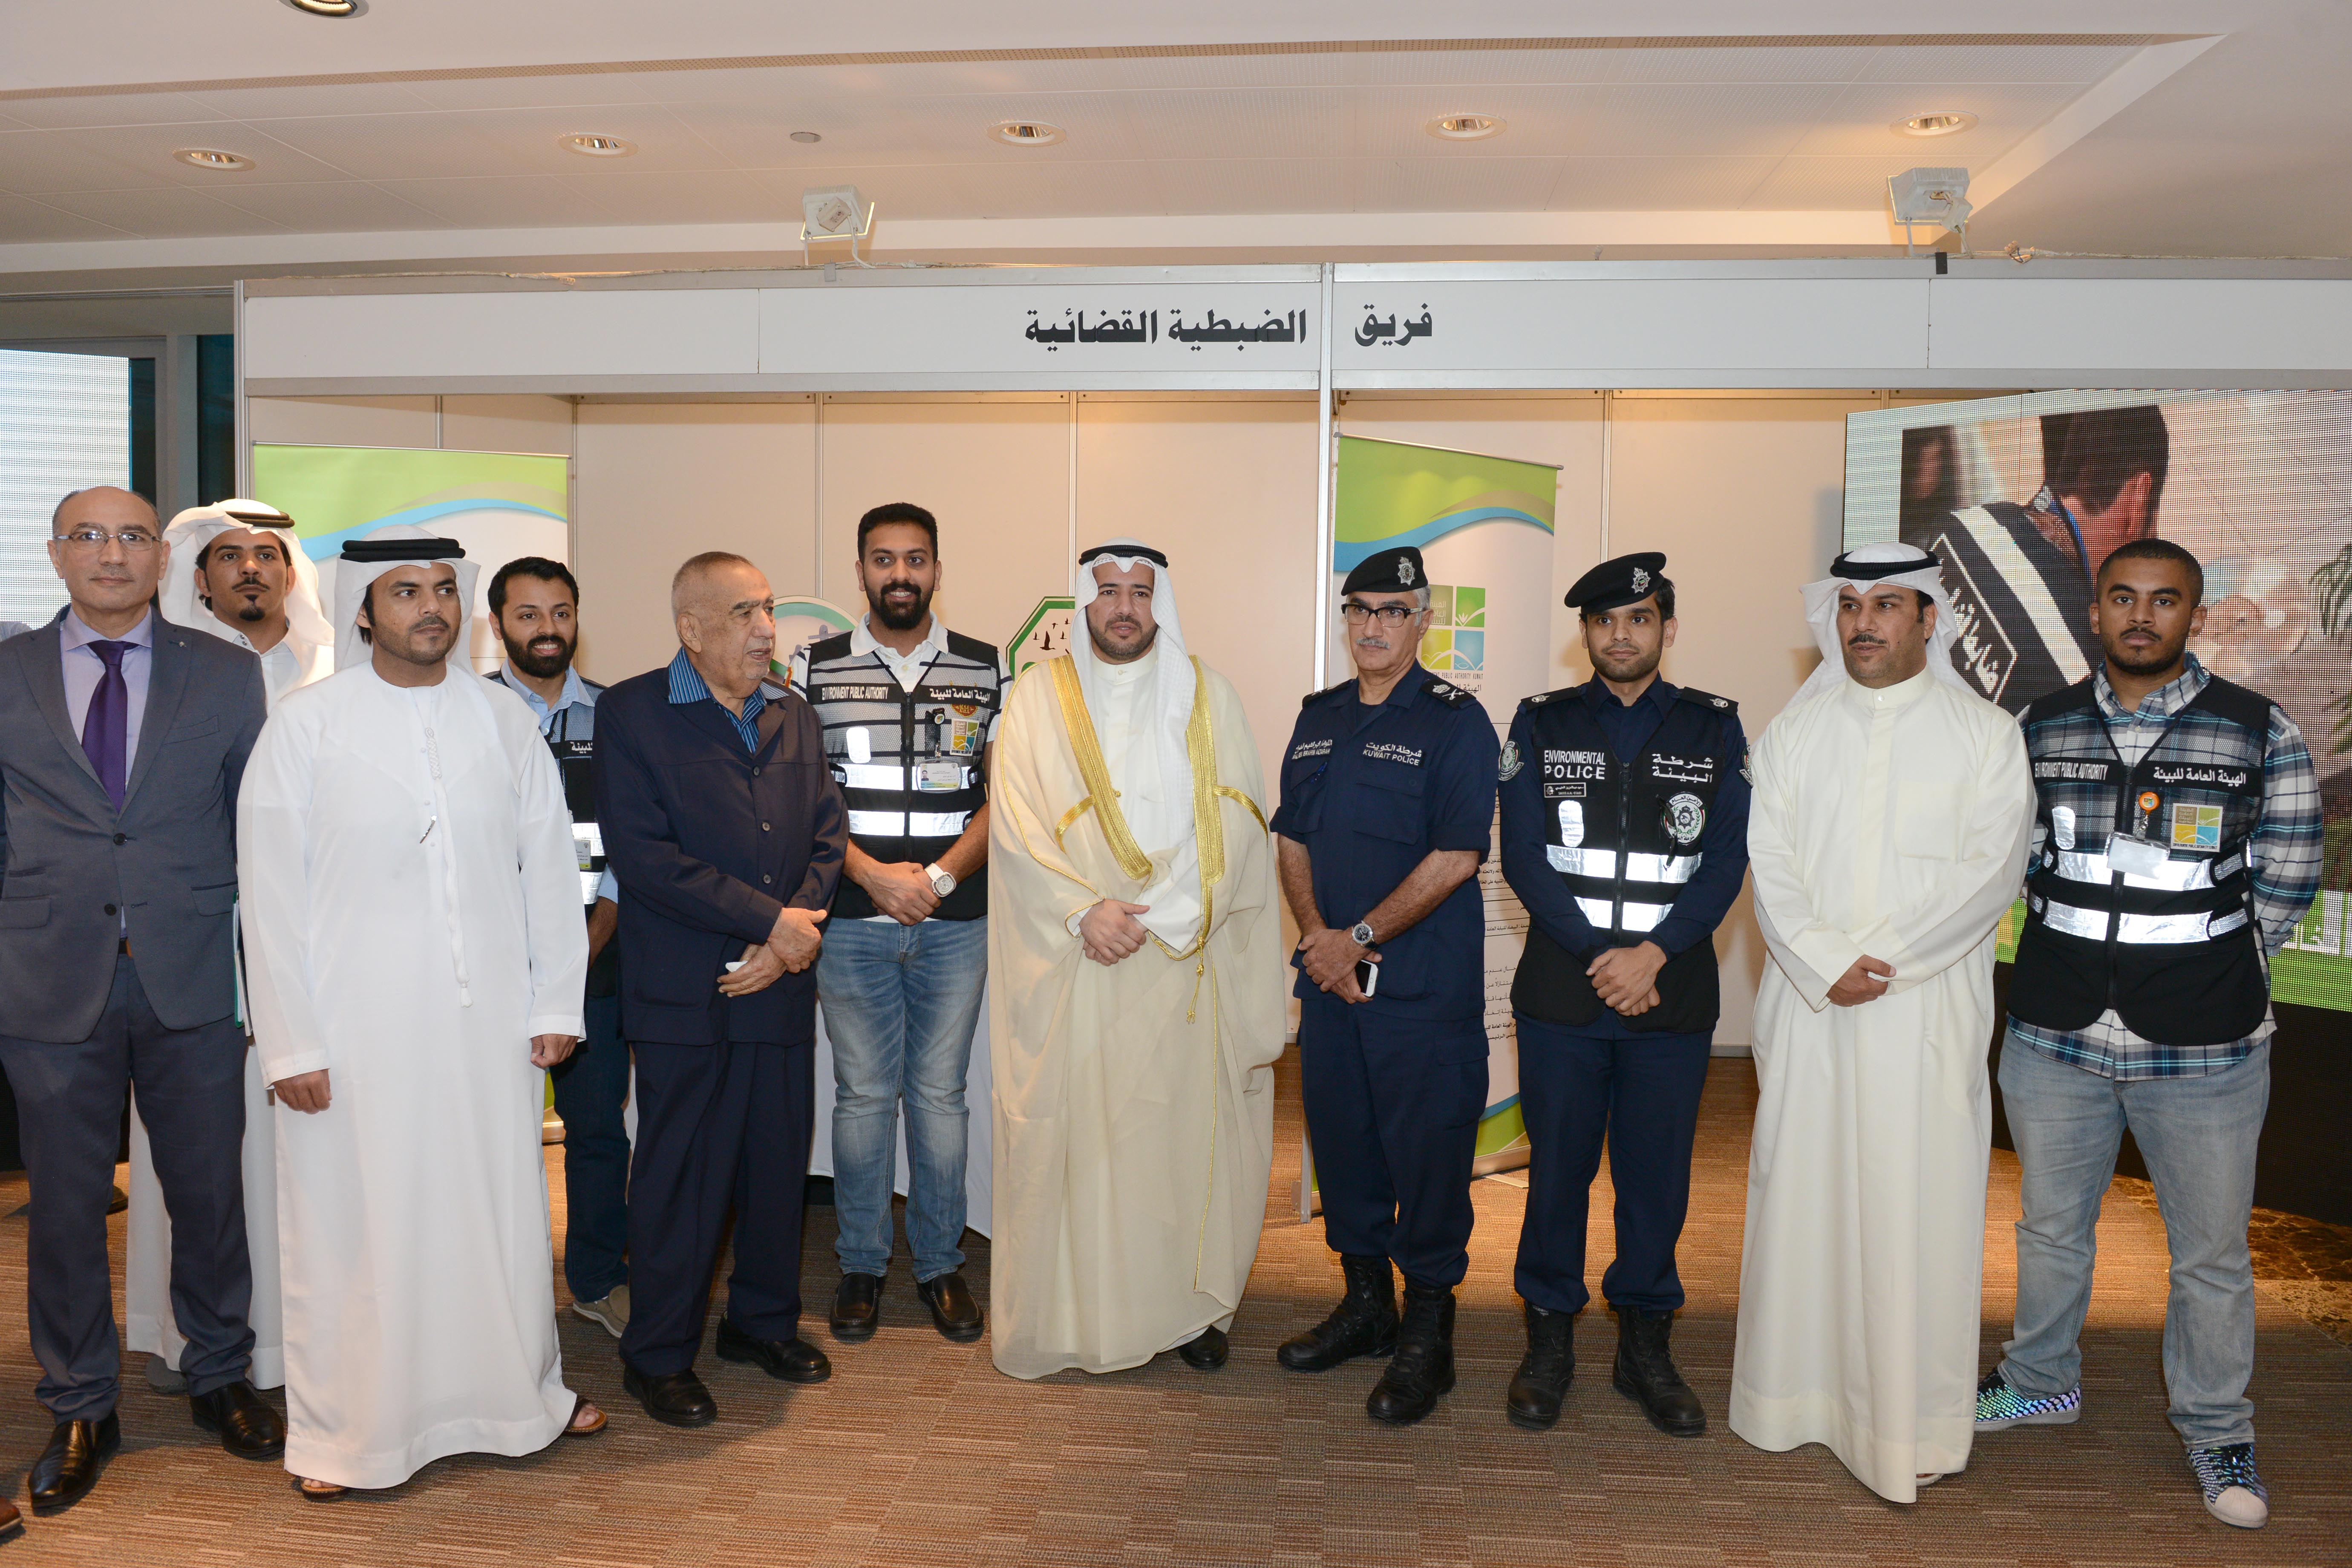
[1392, 1108]
[592, 1086]
[715, 1125]
[190, 1087]
[1642, 1093]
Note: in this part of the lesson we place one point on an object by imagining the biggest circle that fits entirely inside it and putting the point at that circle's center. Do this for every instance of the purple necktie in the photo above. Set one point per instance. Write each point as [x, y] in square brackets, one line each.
[104, 727]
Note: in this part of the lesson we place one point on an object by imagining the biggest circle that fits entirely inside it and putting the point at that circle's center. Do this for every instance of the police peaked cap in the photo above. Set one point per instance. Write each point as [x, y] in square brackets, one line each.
[1397, 570]
[1625, 580]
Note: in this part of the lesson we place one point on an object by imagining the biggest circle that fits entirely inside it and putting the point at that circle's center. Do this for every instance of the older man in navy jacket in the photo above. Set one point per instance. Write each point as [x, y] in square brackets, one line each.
[727, 833]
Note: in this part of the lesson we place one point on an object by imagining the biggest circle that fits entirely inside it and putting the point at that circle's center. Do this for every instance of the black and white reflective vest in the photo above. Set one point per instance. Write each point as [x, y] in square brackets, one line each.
[1624, 836]
[2140, 900]
[909, 762]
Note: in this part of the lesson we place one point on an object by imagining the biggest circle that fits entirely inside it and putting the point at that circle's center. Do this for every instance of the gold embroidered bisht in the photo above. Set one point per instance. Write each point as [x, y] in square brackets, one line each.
[1134, 1103]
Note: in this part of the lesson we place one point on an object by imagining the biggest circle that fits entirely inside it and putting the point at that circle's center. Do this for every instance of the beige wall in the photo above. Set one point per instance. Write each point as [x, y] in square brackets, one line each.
[1744, 494]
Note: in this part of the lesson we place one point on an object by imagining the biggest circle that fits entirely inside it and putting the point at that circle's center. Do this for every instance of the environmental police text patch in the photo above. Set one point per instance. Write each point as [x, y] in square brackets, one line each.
[1390, 752]
[954, 694]
[2211, 777]
[834, 693]
[2072, 770]
[1683, 770]
[1306, 749]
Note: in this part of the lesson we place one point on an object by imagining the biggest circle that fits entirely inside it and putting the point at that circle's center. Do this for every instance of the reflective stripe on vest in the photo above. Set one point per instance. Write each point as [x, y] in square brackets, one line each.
[2138, 930]
[1602, 863]
[2168, 877]
[913, 824]
[1637, 917]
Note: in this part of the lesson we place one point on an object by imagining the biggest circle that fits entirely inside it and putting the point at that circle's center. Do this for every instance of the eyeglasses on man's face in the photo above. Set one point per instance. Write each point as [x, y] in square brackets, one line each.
[133, 539]
[1392, 616]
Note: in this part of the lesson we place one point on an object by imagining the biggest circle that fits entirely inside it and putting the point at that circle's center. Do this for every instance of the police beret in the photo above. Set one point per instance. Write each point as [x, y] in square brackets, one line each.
[1621, 581]
[1396, 570]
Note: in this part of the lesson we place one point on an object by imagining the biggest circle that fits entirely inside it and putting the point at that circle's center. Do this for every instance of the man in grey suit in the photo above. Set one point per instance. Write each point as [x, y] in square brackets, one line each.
[122, 739]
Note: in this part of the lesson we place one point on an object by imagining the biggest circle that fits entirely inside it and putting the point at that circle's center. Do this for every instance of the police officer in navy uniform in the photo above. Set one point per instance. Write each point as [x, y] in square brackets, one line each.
[1624, 831]
[1388, 803]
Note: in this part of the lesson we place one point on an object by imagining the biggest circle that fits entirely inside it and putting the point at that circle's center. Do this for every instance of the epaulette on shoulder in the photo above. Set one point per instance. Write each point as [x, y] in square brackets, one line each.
[1445, 691]
[1314, 697]
[1709, 699]
[1540, 698]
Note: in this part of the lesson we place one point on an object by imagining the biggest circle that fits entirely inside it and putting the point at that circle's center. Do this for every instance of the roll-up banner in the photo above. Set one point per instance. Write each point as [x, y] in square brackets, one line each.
[1484, 527]
[498, 505]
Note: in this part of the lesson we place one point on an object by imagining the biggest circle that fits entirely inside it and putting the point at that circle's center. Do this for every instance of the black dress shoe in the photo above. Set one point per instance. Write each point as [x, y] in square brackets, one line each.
[792, 1361]
[12, 1523]
[1646, 1373]
[674, 1398]
[1363, 1323]
[249, 1427]
[1422, 1370]
[68, 1467]
[953, 1311]
[1537, 1389]
[857, 1307]
[1206, 1350]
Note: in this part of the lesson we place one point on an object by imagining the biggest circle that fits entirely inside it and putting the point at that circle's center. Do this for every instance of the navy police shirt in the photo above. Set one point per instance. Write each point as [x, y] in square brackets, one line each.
[1370, 792]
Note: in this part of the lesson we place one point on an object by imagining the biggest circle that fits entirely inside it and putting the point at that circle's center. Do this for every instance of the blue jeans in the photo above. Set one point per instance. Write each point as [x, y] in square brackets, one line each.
[2199, 1137]
[591, 1085]
[900, 1005]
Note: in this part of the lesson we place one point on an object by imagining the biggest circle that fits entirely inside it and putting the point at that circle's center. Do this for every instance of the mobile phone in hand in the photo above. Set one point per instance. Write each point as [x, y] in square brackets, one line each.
[1368, 976]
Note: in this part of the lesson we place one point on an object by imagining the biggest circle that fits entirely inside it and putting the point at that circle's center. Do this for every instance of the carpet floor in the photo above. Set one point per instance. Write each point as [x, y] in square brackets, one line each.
[920, 1452]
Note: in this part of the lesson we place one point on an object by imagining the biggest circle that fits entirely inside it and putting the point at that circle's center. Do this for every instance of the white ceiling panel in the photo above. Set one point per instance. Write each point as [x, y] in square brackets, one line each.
[1004, 191]
[33, 161]
[2079, 63]
[1614, 63]
[387, 146]
[554, 89]
[1860, 123]
[652, 195]
[1257, 186]
[1657, 185]
[1454, 184]
[1817, 184]
[169, 214]
[1766, 60]
[311, 101]
[23, 222]
[531, 140]
[109, 108]
[344, 206]
[1303, 122]
[921, 130]
[145, 152]
[1731, 120]
[1274, 68]
[1543, 121]
[513, 200]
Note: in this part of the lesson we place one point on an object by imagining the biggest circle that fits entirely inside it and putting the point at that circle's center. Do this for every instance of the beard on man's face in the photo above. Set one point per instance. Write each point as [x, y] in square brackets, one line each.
[536, 658]
[250, 610]
[899, 605]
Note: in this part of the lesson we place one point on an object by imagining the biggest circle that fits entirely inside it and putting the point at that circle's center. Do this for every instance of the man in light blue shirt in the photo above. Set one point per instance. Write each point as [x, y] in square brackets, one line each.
[535, 604]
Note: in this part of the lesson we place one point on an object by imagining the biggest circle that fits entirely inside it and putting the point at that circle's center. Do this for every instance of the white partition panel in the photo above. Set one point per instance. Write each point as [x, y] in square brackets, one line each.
[458, 337]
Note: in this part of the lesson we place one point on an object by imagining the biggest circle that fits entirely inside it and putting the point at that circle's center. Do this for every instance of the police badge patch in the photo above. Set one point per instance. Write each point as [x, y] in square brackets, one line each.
[1685, 818]
[1509, 769]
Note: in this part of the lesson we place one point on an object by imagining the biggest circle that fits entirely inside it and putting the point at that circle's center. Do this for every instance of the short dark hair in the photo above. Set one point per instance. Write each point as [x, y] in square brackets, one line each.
[538, 566]
[2105, 446]
[1664, 594]
[2158, 550]
[897, 511]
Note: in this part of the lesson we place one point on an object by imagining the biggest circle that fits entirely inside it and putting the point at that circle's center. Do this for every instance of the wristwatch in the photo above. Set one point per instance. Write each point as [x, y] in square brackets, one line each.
[1361, 933]
[942, 882]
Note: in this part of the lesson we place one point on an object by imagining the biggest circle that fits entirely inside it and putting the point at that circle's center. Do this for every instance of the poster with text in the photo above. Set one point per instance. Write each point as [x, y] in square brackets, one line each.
[498, 505]
[2022, 498]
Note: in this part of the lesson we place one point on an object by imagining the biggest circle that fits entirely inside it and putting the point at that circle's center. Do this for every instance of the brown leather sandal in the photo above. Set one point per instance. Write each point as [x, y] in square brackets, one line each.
[318, 1491]
[586, 1419]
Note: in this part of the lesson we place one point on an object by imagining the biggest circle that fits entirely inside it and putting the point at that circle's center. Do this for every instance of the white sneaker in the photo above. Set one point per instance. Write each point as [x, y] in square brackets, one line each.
[611, 1314]
[2234, 1492]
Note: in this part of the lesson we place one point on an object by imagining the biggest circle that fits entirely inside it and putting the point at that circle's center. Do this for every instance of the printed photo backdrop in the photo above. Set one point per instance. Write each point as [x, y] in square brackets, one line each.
[2022, 497]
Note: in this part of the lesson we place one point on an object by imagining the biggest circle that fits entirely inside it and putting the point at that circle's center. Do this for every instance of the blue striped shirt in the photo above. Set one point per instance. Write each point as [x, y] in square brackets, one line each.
[686, 685]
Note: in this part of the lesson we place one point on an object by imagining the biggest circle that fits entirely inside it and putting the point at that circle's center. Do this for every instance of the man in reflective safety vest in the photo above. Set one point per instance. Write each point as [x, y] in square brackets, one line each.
[1624, 807]
[2177, 845]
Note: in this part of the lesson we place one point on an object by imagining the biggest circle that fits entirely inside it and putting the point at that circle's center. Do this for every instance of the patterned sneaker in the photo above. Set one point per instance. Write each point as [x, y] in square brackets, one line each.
[2234, 1494]
[2000, 1406]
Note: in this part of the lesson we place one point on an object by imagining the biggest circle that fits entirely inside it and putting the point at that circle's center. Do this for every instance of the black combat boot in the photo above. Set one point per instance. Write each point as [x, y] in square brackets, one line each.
[1363, 1323]
[1646, 1373]
[1543, 1376]
[1422, 1367]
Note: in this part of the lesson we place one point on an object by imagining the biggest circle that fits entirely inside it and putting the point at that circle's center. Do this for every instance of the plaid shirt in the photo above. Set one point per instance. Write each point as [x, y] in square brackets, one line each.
[2283, 856]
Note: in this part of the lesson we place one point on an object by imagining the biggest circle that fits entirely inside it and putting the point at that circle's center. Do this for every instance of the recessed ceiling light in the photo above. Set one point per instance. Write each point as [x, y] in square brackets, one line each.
[329, 8]
[212, 158]
[590, 144]
[1465, 127]
[1944, 123]
[1026, 133]
[807, 136]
